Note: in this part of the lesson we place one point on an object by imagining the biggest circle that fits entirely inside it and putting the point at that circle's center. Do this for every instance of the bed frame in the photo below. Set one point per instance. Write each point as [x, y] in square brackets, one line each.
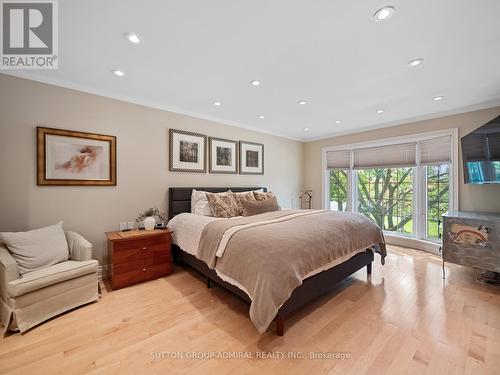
[179, 199]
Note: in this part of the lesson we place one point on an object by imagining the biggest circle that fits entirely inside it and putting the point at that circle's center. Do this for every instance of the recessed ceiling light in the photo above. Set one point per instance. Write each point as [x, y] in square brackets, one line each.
[302, 102]
[306, 129]
[380, 111]
[133, 38]
[118, 73]
[384, 13]
[438, 98]
[261, 116]
[255, 83]
[337, 121]
[415, 62]
[217, 104]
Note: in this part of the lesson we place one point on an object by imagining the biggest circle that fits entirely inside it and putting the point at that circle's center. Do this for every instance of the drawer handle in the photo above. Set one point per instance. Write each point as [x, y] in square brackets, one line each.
[143, 269]
[144, 248]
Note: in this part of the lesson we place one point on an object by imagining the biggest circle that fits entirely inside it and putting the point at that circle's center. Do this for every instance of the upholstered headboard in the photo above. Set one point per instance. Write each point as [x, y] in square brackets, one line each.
[179, 198]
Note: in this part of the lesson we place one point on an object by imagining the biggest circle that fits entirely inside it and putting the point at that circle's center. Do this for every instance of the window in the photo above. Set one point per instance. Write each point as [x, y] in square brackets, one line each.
[385, 195]
[438, 186]
[338, 190]
[405, 185]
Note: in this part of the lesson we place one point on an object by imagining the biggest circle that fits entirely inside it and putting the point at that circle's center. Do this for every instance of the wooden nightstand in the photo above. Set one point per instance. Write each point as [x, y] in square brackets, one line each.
[138, 256]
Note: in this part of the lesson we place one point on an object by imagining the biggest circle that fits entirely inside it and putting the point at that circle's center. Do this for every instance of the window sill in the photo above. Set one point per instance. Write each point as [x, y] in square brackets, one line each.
[428, 246]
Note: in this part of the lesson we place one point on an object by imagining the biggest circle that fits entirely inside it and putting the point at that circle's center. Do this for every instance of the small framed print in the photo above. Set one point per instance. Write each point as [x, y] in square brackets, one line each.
[223, 155]
[67, 157]
[187, 151]
[251, 158]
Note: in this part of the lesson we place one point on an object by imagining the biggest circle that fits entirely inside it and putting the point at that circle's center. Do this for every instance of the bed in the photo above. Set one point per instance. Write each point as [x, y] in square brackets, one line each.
[310, 287]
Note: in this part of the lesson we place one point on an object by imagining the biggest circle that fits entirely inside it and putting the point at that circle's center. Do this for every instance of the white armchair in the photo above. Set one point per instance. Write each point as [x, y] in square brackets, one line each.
[36, 296]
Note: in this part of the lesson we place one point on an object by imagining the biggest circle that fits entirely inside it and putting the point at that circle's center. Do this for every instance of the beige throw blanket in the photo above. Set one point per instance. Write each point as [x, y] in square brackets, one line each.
[270, 254]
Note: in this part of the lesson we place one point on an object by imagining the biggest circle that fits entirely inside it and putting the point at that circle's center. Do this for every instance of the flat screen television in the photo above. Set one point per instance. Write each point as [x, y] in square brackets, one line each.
[481, 154]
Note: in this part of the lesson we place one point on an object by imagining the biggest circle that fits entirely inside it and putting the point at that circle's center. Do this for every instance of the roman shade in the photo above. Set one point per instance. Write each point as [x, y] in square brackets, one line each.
[400, 155]
[340, 159]
[435, 150]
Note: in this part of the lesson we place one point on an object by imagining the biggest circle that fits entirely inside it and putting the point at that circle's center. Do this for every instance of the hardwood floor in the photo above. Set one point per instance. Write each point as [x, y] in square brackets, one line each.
[406, 320]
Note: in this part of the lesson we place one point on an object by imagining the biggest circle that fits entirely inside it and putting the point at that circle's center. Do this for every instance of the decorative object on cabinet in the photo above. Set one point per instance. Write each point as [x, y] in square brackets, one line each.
[251, 158]
[67, 157]
[187, 151]
[150, 218]
[223, 155]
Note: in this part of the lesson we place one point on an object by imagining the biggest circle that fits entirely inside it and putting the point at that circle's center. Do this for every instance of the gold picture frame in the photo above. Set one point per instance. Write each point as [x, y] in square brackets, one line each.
[75, 158]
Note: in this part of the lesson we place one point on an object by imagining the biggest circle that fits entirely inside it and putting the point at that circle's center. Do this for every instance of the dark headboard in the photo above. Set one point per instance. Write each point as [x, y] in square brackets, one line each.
[179, 198]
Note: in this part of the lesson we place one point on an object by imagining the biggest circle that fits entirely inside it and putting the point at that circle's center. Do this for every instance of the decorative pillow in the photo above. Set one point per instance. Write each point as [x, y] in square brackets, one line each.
[199, 203]
[263, 196]
[37, 248]
[259, 207]
[244, 196]
[223, 204]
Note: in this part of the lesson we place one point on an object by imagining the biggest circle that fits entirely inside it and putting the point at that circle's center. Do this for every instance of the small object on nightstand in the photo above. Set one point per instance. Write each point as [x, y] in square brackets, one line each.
[138, 256]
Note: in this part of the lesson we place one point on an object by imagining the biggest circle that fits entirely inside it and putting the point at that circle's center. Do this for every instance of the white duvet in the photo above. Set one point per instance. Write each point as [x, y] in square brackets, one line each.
[187, 230]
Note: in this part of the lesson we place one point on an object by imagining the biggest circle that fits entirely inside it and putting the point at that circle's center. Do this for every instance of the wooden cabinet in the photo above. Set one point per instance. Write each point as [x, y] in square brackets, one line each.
[138, 256]
[472, 239]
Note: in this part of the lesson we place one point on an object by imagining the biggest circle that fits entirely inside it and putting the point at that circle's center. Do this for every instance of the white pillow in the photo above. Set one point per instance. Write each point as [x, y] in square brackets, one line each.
[249, 191]
[199, 203]
[37, 248]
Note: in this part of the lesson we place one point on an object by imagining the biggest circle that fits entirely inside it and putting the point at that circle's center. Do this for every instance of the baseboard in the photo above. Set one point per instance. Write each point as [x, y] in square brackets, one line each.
[104, 272]
[429, 246]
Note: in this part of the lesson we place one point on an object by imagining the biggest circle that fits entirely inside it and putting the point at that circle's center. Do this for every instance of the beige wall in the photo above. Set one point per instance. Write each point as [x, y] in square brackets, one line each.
[142, 157]
[143, 176]
[471, 197]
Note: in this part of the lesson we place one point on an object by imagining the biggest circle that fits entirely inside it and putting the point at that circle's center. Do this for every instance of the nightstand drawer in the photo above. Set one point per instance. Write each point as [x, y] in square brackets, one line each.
[127, 274]
[144, 252]
[156, 271]
[127, 255]
[141, 242]
[123, 268]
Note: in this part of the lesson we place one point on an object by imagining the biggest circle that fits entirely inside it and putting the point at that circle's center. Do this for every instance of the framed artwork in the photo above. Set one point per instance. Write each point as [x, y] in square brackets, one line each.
[187, 151]
[66, 157]
[251, 158]
[223, 155]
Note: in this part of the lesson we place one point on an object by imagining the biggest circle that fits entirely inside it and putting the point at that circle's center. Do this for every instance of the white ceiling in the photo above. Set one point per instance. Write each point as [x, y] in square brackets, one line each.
[329, 52]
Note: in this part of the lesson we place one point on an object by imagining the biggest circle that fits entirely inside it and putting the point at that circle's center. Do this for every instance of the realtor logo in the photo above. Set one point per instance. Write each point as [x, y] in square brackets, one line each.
[29, 34]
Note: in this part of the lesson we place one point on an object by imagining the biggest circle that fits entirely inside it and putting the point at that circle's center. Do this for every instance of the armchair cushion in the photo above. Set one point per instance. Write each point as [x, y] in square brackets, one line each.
[46, 276]
[37, 248]
[79, 247]
[8, 266]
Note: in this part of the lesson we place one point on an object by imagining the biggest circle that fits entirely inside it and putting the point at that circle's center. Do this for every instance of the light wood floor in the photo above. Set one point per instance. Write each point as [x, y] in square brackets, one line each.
[406, 320]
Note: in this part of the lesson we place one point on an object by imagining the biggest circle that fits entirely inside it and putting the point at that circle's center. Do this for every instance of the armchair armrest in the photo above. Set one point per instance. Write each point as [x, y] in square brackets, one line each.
[8, 270]
[79, 247]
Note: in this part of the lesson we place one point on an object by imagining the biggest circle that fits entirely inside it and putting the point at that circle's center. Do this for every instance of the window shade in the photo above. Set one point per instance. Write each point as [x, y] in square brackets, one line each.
[475, 147]
[435, 150]
[494, 146]
[402, 155]
[338, 159]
